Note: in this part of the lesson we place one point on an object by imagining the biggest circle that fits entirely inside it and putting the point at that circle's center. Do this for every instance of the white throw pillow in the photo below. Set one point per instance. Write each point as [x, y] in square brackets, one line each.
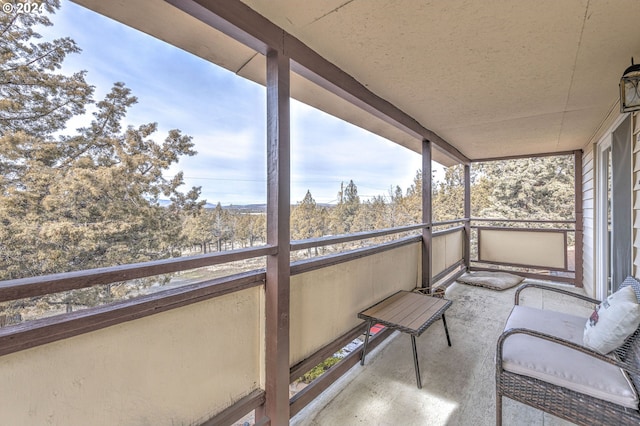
[613, 320]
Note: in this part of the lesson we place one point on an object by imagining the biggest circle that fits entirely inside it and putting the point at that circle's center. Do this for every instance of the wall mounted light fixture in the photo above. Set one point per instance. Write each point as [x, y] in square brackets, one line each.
[630, 88]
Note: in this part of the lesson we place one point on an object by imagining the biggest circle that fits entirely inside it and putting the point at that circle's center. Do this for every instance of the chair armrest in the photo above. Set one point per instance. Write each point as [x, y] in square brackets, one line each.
[590, 352]
[552, 289]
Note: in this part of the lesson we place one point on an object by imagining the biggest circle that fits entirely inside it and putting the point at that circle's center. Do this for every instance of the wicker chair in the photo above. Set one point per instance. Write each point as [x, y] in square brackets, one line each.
[581, 389]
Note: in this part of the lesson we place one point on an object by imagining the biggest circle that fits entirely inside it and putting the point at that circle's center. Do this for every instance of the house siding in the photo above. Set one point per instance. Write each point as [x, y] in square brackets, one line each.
[588, 220]
[636, 193]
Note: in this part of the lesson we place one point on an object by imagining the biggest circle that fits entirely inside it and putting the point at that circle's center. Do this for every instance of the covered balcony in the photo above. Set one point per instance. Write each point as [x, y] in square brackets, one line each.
[459, 82]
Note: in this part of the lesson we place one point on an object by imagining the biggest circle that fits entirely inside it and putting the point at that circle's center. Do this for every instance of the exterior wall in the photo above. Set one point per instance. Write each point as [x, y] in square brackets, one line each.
[636, 193]
[325, 302]
[588, 212]
[590, 185]
[178, 367]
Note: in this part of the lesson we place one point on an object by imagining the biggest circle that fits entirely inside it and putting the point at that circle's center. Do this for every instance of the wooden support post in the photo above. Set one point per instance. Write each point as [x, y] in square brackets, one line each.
[467, 216]
[276, 406]
[426, 215]
[579, 218]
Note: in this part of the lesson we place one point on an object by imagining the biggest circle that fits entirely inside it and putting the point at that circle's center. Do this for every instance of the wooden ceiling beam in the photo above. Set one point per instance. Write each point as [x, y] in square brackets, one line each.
[239, 21]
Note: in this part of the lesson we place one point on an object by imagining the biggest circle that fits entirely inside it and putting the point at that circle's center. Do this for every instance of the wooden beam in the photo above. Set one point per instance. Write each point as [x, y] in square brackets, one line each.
[277, 296]
[38, 286]
[326, 351]
[452, 230]
[240, 22]
[235, 19]
[543, 277]
[37, 332]
[306, 265]
[238, 410]
[357, 236]
[481, 219]
[426, 215]
[579, 219]
[314, 68]
[319, 385]
[467, 216]
[448, 271]
[523, 156]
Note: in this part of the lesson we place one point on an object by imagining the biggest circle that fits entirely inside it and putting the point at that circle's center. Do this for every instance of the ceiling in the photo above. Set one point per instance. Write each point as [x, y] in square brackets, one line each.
[493, 78]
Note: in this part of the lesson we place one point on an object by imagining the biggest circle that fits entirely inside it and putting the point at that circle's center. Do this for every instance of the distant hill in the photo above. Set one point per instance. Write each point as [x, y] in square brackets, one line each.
[248, 208]
[257, 208]
[165, 203]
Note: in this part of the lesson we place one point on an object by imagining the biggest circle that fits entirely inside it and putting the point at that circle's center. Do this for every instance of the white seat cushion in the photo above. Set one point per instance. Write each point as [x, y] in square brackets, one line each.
[559, 365]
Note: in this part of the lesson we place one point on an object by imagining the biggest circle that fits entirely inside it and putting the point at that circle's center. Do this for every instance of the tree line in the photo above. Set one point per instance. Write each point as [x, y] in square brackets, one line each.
[539, 188]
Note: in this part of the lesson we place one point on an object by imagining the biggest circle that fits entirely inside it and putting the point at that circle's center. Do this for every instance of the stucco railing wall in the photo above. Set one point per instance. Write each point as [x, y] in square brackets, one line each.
[535, 248]
[325, 302]
[177, 367]
[448, 249]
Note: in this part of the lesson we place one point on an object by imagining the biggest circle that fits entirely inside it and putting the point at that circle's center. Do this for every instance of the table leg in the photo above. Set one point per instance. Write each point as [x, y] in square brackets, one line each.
[446, 330]
[415, 361]
[366, 341]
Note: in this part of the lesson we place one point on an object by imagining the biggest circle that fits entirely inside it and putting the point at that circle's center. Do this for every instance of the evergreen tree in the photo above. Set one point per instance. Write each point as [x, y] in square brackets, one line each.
[372, 215]
[305, 219]
[343, 215]
[530, 188]
[220, 226]
[83, 200]
[413, 200]
[252, 228]
[448, 196]
[34, 97]
[394, 209]
[196, 229]
[92, 199]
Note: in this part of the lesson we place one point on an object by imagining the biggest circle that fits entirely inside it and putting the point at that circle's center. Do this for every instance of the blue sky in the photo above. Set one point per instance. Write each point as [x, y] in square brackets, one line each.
[225, 115]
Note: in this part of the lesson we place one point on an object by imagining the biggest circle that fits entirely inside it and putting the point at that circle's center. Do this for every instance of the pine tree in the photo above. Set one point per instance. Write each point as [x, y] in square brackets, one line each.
[251, 228]
[372, 215]
[220, 226]
[530, 188]
[305, 219]
[413, 200]
[448, 196]
[343, 215]
[82, 200]
[197, 230]
[34, 98]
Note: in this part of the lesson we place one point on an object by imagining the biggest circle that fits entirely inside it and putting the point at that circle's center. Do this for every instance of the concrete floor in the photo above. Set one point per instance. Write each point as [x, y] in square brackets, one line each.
[458, 381]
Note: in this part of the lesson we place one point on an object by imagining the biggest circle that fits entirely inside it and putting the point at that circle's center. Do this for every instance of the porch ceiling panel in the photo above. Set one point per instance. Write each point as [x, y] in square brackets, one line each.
[537, 134]
[612, 30]
[449, 61]
[493, 78]
[544, 133]
[164, 21]
[496, 67]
